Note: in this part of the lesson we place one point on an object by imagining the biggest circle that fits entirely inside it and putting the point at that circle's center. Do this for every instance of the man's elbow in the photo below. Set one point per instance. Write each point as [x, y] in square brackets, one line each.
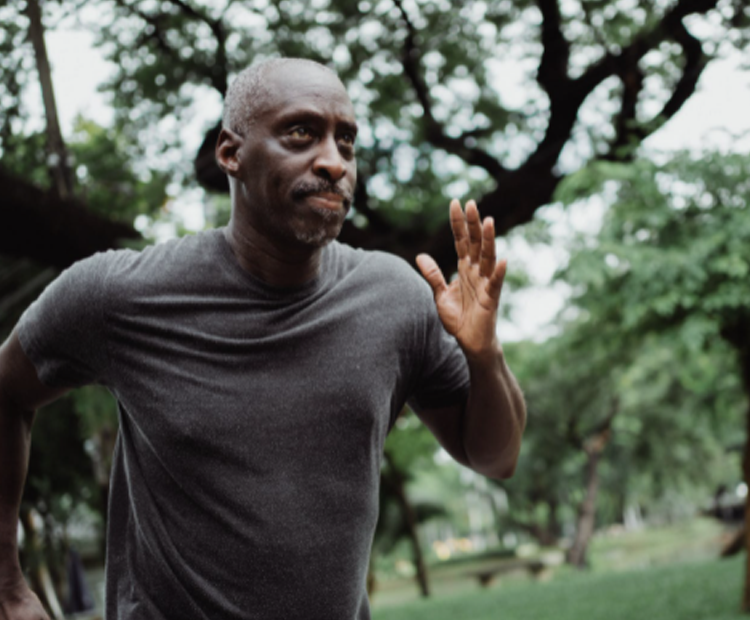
[504, 474]
[496, 470]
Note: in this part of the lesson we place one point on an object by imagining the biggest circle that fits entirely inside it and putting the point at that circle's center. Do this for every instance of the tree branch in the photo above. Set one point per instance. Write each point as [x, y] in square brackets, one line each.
[434, 131]
[155, 21]
[622, 147]
[567, 99]
[552, 74]
[613, 64]
[39, 226]
[631, 133]
[219, 77]
[603, 427]
[695, 62]
[217, 72]
[520, 192]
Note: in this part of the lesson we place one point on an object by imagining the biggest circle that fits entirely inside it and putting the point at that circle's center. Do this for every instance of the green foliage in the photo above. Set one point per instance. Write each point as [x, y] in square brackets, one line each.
[96, 408]
[25, 156]
[111, 181]
[571, 385]
[674, 249]
[16, 64]
[410, 444]
[60, 470]
[169, 55]
[676, 410]
[662, 303]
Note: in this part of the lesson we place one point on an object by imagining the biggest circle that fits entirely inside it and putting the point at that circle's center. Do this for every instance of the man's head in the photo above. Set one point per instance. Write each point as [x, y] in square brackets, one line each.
[250, 91]
[287, 144]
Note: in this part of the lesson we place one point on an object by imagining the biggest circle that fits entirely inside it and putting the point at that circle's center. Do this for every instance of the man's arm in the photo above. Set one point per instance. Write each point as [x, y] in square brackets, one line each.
[21, 393]
[485, 433]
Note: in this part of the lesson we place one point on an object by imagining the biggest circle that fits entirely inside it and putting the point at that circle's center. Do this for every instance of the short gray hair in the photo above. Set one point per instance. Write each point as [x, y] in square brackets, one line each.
[249, 92]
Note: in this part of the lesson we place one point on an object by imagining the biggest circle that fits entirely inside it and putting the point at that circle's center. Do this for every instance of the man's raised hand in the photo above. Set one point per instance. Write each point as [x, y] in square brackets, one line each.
[468, 305]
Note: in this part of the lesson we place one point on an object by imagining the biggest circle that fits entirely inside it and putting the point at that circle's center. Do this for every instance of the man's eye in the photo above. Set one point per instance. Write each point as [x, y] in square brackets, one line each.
[347, 138]
[300, 133]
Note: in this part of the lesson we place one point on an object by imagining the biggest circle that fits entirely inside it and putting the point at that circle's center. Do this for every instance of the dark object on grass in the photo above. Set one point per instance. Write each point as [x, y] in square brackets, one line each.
[79, 595]
[487, 575]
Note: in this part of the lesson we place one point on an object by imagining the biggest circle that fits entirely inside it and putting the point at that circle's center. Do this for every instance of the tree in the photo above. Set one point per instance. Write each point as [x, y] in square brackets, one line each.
[426, 83]
[46, 224]
[674, 254]
[613, 423]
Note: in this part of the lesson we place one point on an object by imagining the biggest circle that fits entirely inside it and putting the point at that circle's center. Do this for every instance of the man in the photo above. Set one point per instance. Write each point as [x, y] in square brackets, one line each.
[258, 369]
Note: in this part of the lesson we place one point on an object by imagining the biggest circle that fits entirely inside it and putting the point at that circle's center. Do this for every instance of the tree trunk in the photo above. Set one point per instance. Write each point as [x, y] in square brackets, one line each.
[410, 519]
[594, 446]
[586, 513]
[553, 524]
[62, 177]
[51, 227]
[745, 369]
[737, 334]
[104, 447]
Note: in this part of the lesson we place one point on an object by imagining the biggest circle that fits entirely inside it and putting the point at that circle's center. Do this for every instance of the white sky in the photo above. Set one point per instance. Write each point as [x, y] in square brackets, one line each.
[717, 113]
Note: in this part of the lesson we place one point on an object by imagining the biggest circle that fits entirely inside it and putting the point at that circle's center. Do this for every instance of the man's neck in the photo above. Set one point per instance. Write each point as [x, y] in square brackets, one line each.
[278, 266]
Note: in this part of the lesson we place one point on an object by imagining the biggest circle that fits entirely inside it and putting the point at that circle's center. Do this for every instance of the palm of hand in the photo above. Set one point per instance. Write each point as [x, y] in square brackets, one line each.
[468, 305]
[465, 307]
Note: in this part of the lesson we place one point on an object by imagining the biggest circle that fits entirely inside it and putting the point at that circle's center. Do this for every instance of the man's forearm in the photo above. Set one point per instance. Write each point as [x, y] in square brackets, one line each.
[495, 416]
[15, 438]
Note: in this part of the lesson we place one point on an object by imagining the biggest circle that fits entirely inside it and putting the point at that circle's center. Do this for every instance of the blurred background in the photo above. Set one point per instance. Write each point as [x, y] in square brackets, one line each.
[608, 139]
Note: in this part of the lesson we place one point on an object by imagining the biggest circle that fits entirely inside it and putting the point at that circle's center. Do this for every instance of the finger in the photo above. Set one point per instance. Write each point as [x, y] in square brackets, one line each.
[475, 231]
[495, 285]
[458, 225]
[487, 262]
[431, 273]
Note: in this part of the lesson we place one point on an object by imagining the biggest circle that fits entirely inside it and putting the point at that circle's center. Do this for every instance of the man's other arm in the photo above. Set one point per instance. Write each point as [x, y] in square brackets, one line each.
[484, 433]
[21, 394]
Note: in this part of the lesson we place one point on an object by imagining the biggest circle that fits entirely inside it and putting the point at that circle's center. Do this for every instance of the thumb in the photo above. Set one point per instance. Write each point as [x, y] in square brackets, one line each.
[431, 273]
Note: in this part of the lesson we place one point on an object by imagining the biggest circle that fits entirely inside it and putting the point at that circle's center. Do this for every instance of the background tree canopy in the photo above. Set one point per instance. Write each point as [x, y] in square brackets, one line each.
[430, 85]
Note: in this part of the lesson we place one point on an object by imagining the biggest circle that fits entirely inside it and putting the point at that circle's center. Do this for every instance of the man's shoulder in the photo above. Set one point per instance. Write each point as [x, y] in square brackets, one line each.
[384, 271]
[184, 257]
[372, 259]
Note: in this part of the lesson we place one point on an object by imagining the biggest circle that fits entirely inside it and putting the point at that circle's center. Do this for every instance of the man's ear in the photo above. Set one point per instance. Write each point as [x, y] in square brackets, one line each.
[227, 151]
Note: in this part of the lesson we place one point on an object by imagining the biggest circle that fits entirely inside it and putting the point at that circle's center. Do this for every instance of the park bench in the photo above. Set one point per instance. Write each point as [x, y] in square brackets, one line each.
[487, 574]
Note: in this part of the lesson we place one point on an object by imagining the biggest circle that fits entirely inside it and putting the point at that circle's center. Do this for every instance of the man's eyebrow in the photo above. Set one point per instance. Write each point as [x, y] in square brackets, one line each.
[350, 126]
[307, 114]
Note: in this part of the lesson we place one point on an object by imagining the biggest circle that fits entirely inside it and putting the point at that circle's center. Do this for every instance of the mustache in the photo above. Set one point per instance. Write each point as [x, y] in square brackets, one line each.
[307, 188]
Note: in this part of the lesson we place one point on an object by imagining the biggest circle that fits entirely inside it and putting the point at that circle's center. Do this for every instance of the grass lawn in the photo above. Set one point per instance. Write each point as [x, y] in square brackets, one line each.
[706, 590]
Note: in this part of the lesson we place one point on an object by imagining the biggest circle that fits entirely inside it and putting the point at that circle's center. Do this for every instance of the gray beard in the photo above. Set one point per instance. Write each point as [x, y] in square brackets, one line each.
[322, 235]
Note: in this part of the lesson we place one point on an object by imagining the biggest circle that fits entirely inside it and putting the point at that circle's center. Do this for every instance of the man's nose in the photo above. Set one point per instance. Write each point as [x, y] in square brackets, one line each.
[328, 161]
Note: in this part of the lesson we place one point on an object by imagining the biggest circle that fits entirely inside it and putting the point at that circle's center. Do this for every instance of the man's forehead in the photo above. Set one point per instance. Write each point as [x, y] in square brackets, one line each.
[304, 84]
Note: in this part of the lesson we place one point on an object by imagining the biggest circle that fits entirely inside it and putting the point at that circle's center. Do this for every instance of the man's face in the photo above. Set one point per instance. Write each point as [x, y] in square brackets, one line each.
[297, 168]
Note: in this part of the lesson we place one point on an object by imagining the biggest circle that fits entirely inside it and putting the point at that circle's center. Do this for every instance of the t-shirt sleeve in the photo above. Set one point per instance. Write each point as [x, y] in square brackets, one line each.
[62, 332]
[443, 378]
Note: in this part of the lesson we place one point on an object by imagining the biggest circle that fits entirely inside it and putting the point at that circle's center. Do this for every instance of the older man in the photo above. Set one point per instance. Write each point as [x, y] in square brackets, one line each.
[258, 369]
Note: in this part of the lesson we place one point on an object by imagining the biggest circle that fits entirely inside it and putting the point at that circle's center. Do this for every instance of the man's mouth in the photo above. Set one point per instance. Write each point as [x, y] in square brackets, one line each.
[327, 200]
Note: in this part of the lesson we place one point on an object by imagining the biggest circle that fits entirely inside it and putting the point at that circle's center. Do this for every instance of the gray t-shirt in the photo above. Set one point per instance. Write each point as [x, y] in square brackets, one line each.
[245, 479]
